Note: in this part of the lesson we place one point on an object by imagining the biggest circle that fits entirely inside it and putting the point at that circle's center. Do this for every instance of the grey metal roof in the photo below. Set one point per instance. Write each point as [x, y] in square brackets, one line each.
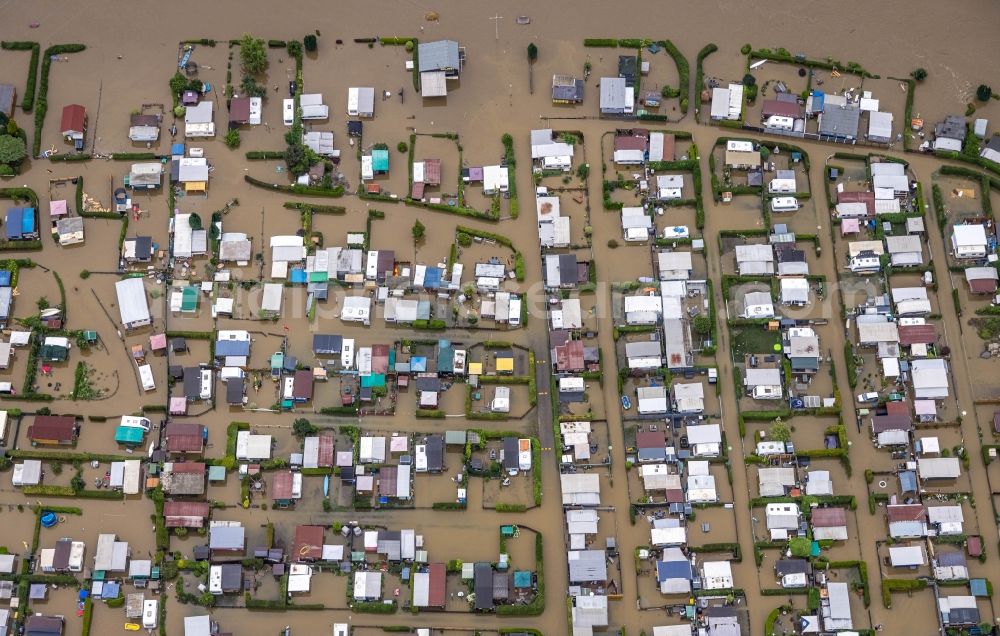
[587, 566]
[613, 94]
[438, 56]
[840, 121]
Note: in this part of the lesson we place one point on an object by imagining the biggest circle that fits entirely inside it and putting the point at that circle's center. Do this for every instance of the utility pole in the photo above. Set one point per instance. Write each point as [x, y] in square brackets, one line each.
[496, 23]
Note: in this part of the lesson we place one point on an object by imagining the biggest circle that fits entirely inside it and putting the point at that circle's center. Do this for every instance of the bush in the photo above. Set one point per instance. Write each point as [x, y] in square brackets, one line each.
[233, 138]
[402, 147]
[919, 74]
[984, 92]
[310, 43]
[409, 46]
[745, 49]
[612, 243]
[253, 54]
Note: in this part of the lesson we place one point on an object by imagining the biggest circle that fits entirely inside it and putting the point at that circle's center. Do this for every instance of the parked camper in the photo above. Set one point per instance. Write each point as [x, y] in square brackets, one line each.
[146, 377]
[347, 353]
[150, 614]
[777, 122]
[784, 204]
[132, 421]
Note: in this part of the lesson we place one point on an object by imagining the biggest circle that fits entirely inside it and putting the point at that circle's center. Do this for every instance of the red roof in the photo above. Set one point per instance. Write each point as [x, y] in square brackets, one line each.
[668, 147]
[897, 408]
[380, 358]
[302, 387]
[569, 357]
[914, 334]
[325, 458]
[387, 478]
[52, 428]
[650, 439]
[436, 585]
[281, 485]
[983, 286]
[675, 495]
[185, 514]
[828, 517]
[239, 110]
[906, 512]
[631, 142]
[74, 119]
[308, 543]
[417, 192]
[868, 198]
[974, 546]
[781, 108]
[184, 437]
[432, 171]
[193, 468]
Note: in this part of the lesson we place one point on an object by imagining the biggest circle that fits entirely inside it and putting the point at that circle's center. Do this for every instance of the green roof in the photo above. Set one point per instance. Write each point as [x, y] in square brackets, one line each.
[373, 380]
[189, 301]
[129, 435]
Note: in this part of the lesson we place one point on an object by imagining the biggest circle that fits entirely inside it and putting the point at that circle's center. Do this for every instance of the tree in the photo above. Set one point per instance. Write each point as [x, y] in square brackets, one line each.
[409, 46]
[294, 48]
[178, 83]
[779, 432]
[195, 221]
[984, 92]
[296, 159]
[310, 43]
[303, 428]
[12, 150]
[250, 88]
[919, 74]
[749, 80]
[233, 138]
[702, 325]
[532, 52]
[582, 171]
[402, 147]
[253, 54]
[418, 231]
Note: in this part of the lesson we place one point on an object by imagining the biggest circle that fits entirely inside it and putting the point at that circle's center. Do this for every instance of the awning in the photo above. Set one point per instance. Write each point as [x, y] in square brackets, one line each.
[195, 186]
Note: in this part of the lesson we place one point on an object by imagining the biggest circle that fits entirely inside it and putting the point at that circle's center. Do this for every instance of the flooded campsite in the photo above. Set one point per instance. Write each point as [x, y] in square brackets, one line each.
[532, 319]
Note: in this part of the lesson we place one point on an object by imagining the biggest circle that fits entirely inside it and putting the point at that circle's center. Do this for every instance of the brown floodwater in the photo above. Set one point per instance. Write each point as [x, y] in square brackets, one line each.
[116, 75]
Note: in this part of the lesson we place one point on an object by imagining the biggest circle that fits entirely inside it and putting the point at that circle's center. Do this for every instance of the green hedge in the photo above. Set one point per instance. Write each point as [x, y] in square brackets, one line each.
[374, 607]
[335, 192]
[607, 43]
[256, 155]
[683, 72]
[315, 209]
[699, 72]
[70, 157]
[43, 90]
[67, 491]
[900, 585]
[28, 97]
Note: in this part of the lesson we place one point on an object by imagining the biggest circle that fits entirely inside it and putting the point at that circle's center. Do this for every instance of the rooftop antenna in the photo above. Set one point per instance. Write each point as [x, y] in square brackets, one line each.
[496, 23]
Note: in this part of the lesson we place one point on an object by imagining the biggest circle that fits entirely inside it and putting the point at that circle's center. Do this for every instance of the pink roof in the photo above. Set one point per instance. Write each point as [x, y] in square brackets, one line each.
[924, 407]
[158, 341]
[57, 208]
[178, 405]
[398, 444]
[850, 226]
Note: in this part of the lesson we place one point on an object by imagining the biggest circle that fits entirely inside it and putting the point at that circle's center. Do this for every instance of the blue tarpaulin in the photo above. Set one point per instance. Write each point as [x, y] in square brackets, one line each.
[232, 348]
[15, 217]
[298, 275]
[418, 364]
[432, 278]
[4, 278]
[28, 221]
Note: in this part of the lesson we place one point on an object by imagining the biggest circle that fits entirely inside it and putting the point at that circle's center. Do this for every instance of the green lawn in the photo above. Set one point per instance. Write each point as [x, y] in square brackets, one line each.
[754, 340]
